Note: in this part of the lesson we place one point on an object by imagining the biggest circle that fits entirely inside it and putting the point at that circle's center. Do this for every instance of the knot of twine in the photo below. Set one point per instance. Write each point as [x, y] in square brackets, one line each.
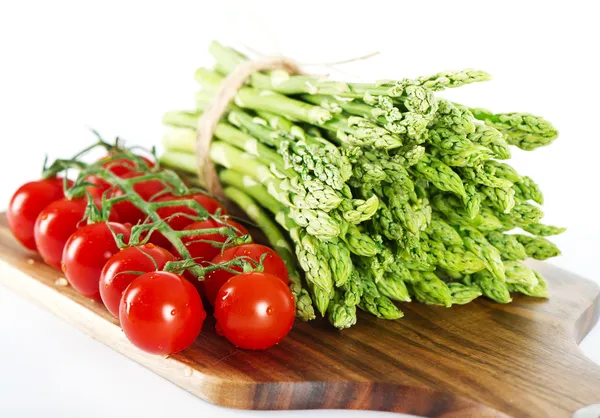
[217, 108]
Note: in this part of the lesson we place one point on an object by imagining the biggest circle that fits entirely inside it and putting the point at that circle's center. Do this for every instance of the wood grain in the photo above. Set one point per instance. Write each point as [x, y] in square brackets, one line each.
[482, 359]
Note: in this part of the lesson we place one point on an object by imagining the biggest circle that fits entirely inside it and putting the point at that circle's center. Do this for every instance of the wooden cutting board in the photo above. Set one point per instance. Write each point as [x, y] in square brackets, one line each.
[482, 359]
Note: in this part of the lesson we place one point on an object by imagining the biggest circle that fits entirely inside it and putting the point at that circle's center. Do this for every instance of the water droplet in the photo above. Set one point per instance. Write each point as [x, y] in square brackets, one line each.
[107, 254]
[63, 267]
[188, 372]
[44, 217]
[270, 311]
[150, 246]
[173, 312]
[61, 281]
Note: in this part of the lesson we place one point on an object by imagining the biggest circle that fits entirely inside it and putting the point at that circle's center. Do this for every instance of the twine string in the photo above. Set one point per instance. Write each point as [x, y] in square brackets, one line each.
[217, 108]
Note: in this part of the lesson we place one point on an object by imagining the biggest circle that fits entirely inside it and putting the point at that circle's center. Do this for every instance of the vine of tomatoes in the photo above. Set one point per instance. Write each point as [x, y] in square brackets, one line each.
[133, 237]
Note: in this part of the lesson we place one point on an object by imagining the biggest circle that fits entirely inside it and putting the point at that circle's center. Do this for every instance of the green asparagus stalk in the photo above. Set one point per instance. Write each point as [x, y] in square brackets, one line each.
[453, 79]
[339, 314]
[473, 199]
[537, 247]
[542, 230]
[441, 231]
[508, 245]
[492, 139]
[524, 130]
[374, 302]
[440, 175]
[491, 286]
[266, 100]
[501, 199]
[454, 212]
[463, 294]
[527, 189]
[359, 243]
[428, 288]
[476, 242]
[521, 215]
[394, 288]
[519, 274]
[539, 291]
[456, 119]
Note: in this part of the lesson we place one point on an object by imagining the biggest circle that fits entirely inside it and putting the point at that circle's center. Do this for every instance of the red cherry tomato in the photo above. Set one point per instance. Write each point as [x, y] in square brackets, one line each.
[122, 166]
[200, 247]
[97, 186]
[86, 253]
[27, 203]
[54, 226]
[254, 310]
[119, 167]
[272, 264]
[113, 280]
[161, 313]
[178, 222]
[148, 190]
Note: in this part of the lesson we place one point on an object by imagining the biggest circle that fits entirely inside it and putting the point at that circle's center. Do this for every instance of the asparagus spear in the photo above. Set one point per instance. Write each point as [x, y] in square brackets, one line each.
[537, 247]
[476, 242]
[440, 175]
[527, 189]
[374, 302]
[542, 230]
[463, 294]
[394, 288]
[519, 274]
[524, 130]
[539, 291]
[509, 247]
[340, 314]
[453, 79]
[266, 100]
[428, 288]
[491, 287]
[492, 139]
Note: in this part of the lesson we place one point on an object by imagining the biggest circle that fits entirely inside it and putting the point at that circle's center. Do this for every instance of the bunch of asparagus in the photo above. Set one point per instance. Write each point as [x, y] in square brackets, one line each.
[384, 192]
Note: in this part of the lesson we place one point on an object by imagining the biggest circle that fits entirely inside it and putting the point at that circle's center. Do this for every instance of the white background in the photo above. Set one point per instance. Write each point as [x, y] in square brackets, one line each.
[118, 66]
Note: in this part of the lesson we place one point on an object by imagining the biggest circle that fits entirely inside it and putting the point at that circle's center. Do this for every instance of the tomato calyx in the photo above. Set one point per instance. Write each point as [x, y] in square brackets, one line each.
[245, 263]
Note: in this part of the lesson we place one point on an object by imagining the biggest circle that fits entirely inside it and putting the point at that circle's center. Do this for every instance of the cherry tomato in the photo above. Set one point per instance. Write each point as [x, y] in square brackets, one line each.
[254, 310]
[119, 167]
[148, 190]
[113, 280]
[161, 313]
[54, 226]
[178, 222]
[97, 186]
[272, 264]
[86, 253]
[122, 166]
[27, 203]
[204, 251]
